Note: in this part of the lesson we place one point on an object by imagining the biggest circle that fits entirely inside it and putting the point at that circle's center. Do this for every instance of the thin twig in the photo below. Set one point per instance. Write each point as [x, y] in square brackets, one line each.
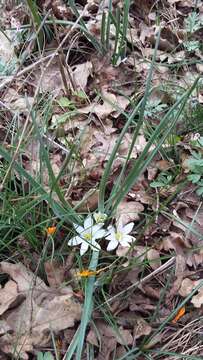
[142, 281]
[62, 62]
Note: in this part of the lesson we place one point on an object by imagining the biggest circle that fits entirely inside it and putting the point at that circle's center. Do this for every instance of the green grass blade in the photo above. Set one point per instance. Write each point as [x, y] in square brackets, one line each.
[65, 212]
[143, 161]
[88, 305]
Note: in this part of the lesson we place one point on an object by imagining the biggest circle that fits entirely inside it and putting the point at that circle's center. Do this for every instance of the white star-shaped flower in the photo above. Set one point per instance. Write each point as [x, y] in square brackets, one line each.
[87, 235]
[119, 235]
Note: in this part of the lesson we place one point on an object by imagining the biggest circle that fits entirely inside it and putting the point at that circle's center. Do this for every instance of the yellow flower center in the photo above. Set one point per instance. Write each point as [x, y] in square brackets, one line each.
[118, 236]
[87, 236]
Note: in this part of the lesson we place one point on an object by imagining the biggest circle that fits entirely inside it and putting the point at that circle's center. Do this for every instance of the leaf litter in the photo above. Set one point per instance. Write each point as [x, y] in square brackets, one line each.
[30, 308]
[92, 113]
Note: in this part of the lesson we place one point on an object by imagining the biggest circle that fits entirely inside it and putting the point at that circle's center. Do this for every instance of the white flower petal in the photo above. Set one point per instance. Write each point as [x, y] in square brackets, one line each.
[112, 245]
[129, 238]
[99, 234]
[111, 229]
[126, 240]
[111, 237]
[124, 243]
[96, 228]
[128, 228]
[78, 228]
[83, 248]
[88, 223]
[76, 240]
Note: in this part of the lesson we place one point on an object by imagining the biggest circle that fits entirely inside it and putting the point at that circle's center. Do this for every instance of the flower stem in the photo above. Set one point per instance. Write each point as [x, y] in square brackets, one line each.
[88, 305]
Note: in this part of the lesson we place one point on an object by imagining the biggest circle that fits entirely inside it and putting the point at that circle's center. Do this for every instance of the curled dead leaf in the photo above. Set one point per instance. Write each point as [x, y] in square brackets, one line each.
[154, 258]
[124, 337]
[7, 49]
[141, 328]
[111, 103]
[55, 273]
[128, 211]
[186, 288]
[8, 296]
[81, 72]
[41, 308]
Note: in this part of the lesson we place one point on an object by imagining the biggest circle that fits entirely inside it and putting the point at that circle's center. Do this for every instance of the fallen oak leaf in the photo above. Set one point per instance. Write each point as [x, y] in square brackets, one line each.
[124, 336]
[42, 308]
[55, 273]
[128, 211]
[141, 328]
[8, 296]
[110, 104]
[154, 258]
[80, 73]
[187, 287]
[18, 349]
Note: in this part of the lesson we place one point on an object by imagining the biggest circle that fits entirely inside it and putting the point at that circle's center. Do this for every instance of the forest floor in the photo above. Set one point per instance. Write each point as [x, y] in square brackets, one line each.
[101, 168]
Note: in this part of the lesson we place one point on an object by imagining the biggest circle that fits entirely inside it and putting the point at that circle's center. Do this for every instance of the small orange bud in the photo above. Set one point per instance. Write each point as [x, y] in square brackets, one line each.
[86, 273]
[51, 230]
[179, 315]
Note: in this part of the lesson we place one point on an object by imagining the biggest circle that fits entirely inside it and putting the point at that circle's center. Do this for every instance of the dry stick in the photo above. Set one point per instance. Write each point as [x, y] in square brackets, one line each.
[142, 281]
[62, 62]
[35, 95]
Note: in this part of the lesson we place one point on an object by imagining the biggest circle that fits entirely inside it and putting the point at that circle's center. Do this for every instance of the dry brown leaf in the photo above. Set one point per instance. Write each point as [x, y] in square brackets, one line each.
[140, 302]
[16, 347]
[25, 279]
[107, 340]
[80, 73]
[175, 241]
[111, 103]
[186, 288]
[42, 308]
[8, 296]
[128, 211]
[21, 104]
[7, 50]
[199, 68]
[179, 273]
[4, 327]
[89, 201]
[180, 266]
[52, 80]
[92, 338]
[124, 337]
[197, 300]
[141, 328]
[122, 251]
[163, 165]
[54, 272]
[16, 102]
[154, 258]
